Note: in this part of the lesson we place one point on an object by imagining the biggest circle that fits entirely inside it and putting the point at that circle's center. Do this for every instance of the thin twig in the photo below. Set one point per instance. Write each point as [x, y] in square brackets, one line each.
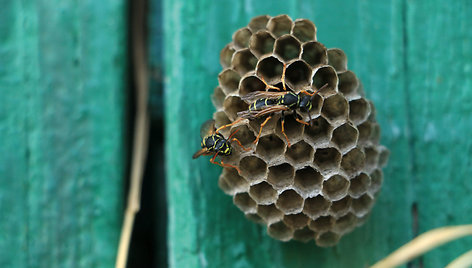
[422, 244]
[141, 132]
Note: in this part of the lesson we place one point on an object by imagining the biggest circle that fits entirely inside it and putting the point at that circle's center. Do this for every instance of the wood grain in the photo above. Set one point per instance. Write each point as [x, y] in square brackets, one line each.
[61, 132]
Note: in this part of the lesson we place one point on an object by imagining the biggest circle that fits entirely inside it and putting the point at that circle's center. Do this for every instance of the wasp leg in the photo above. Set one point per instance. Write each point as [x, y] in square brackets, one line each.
[283, 77]
[268, 86]
[260, 130]
[308, 93]
[236, 140]
[316, 91]
[301, 121]
[283, 130]
[239, 143]
[212, 160]
[230, 166]
[229, 125]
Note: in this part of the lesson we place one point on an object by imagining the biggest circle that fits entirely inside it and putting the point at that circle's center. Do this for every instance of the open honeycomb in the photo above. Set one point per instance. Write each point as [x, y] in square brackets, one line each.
[325, 184]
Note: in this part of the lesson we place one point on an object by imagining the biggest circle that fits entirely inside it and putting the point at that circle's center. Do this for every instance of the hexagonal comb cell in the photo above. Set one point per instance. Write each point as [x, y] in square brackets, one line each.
[280, 231]
[241, 37]
[359, 185]
[229, 80]
[321, 224]
[232, 105]
[335, 187]
[361, 206]
[375, 135]
[298, 75]
[244, 135]
[348, 83]
[218, 97]
[335, 108]
[325, 75]
[319, 130]
[226, 55]
[289, 202]
[316, 104]
[304, 30]
[287, 47]
[255, 124]
[258, 23]
[308, 180]
[293, 129]
[221, 119]
[281, 175]
[263, 193]
[270, 147]
[252, 167]
[316, 206]
[270, 68]
[255, 218]
[250, 84]
[337, 59]
[373, 112]
[300, 152]
[345, 224]
[270, 213]
[244, 61]
[244, 202]
[303, 235]
[345, 137]
[261, 43]
[376, 178]
[340, 207]
[231, 183]
[365, 131]
[353, 161]
[314, 53]
[359, 110]
[327, 239]
[327, 158]
[279, 25]
[383, 157]
[372, 156]
[296, 221]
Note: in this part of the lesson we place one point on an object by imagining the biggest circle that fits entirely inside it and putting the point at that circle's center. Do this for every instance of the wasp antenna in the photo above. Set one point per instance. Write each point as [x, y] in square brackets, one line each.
[323, 87]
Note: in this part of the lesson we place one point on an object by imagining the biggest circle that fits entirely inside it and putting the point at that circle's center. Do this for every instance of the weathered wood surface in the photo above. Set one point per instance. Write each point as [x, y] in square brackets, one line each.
[62, 104]
[414, 59]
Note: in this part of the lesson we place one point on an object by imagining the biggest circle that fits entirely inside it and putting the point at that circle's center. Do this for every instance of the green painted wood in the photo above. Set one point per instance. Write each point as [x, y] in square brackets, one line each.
[205, 228]
[61, 132]
[439, 75]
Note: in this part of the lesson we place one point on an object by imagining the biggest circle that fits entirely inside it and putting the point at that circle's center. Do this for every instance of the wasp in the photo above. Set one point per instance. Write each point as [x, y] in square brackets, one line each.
[266, 103]
[214, 143]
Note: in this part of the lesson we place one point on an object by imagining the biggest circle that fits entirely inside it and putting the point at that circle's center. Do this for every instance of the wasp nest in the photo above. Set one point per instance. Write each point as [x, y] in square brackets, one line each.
[325, 184]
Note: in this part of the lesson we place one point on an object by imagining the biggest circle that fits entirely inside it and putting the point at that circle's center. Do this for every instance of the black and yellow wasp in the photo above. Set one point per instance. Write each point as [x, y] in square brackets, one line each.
[214, 143]
[266, 103]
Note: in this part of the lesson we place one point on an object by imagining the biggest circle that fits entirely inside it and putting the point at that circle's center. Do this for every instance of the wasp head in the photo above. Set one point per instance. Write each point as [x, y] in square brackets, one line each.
[305, 103]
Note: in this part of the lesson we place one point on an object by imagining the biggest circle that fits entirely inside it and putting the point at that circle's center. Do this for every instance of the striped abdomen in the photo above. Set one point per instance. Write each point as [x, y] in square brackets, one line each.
[261, 104]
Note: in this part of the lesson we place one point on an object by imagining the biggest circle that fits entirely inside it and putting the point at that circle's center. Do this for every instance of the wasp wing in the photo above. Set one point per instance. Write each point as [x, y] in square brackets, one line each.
[253, 96]
[203, 151]
[255, 114]
[207, 128]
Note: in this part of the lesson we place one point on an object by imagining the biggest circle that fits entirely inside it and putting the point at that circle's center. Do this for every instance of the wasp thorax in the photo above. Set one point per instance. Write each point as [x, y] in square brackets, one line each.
[325, 183]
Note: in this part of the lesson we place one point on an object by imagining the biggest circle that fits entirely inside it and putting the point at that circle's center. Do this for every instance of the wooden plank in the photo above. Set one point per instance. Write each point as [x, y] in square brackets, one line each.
[439, 79]
[62, 132]
[205, 229]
